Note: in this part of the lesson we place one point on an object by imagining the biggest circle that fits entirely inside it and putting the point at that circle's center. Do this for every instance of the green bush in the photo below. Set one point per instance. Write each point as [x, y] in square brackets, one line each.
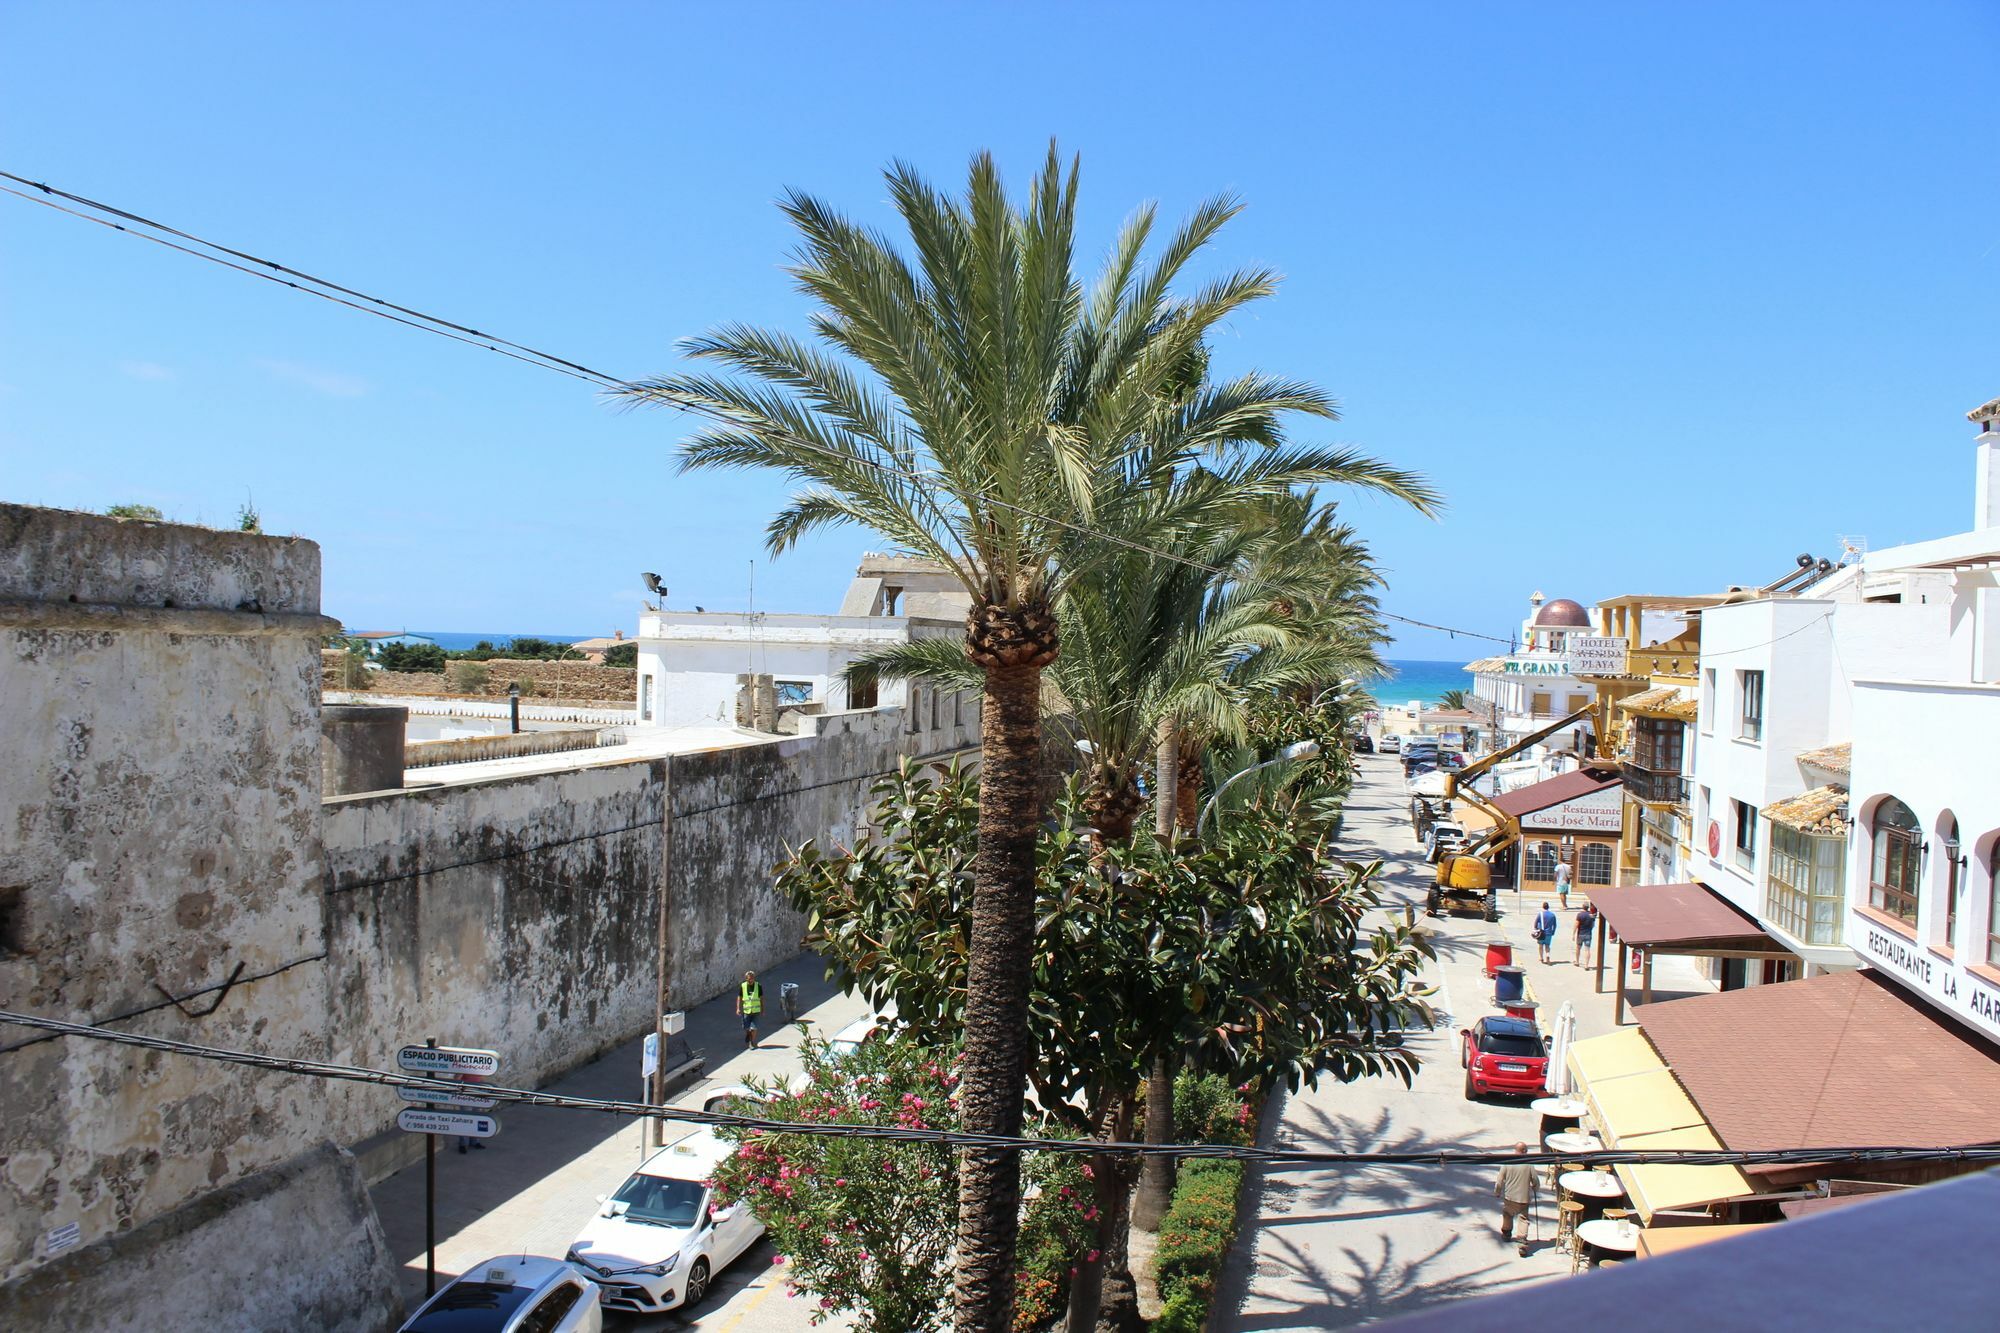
[1184, 1312]
[1195, 1233]
[622, 655]
[411, 657]
[1208, 1110]
[466, 677]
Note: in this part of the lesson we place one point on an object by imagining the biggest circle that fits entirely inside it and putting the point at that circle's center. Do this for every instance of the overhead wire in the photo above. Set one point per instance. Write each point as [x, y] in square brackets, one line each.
[325, 288]
[447, 1089]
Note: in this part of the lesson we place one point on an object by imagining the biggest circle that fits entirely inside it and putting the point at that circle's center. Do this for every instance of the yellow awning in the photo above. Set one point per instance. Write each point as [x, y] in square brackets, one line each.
[1614, 1055]
[1655, 1241]
[1640, 1104]
[1653, 1186]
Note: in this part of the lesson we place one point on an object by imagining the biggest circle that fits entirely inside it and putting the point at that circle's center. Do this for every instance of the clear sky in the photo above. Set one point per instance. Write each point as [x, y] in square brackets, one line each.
[1660, 295]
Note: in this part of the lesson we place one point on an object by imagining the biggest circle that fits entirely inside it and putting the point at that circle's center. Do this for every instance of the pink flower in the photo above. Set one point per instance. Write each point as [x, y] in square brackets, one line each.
[826, 1302]
[777, 1259]
[841, 1183]
[1091, 1257]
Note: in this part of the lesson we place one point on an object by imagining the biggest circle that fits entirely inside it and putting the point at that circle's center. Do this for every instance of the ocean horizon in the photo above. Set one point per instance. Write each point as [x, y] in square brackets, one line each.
[1414, 680]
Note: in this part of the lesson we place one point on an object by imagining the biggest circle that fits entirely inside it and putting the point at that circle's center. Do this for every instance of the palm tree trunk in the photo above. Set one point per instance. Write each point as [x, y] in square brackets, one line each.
[1156, 1177]
[1190, 775]
[1166, 779]
[996, 995]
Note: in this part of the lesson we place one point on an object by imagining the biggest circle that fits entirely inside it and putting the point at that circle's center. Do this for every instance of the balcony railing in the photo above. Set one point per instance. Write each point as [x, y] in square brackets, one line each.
[1655, 788]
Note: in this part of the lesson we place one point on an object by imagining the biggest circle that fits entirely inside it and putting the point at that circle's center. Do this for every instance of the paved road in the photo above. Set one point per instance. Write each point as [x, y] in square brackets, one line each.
[537, 1183]
[1331, 1249]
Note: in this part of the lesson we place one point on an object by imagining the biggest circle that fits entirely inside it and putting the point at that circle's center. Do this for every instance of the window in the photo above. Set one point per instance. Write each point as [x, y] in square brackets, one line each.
[548, 1316]
[1656, 744]
[1894, 866]
[645, 698]
[1750, 719]
[1540, 863]
[1539, 706]
[1993, 910]
[792, 693]
[1593, 863]
[862, 689]
[1577, 703]
[1951, 886]
[1807, 886]
[1746, 833]
[1702, 813]
[1708, 701]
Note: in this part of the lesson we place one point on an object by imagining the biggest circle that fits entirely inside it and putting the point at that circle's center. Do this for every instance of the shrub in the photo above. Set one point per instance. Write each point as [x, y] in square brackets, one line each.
[1208, 1110]
[1183, 1313]
[146, 513]
[1196, 1232]
[411, 657]
[466, 677]
[622, 655]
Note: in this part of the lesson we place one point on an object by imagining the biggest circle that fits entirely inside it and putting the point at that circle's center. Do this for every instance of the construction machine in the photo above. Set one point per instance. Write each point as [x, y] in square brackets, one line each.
[1465, 878]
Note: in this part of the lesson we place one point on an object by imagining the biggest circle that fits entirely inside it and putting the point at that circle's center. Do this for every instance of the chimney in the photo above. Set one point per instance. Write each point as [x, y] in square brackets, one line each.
[361, 747]
[1986, 465]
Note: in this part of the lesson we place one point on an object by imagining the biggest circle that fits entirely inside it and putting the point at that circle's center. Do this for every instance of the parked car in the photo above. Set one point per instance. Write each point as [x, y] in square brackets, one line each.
[513, 1294]
[660, 1240]
[848, 1040]
[1504, 1055]
[1442, 839]
[1363, 743]
[1392, 744]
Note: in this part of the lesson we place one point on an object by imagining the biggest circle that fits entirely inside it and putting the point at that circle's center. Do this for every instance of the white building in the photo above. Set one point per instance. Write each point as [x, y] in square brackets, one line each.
[690, 661]
[1839, 798]
[1527, 689]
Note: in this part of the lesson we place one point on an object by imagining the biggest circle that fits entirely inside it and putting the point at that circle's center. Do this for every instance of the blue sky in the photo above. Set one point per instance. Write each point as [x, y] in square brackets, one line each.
[1660, 295]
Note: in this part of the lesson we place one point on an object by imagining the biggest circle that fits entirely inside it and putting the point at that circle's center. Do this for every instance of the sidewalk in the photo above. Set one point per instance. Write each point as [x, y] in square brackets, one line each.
[537, 1182]
[1333, 1248]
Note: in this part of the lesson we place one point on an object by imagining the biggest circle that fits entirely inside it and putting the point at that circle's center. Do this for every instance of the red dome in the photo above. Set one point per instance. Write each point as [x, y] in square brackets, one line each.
[1562, 613]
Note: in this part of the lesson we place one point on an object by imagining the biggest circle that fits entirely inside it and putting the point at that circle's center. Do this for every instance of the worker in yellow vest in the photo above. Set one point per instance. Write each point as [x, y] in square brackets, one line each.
[749, 1004]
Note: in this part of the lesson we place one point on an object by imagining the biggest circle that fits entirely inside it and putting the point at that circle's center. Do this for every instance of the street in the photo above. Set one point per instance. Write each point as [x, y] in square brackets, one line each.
[1330, 1249]
[535, 1185]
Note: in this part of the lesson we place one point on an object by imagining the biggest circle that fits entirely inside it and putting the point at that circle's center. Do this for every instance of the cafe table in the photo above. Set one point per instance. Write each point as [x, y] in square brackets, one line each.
[1559, 1113]
[1618, 1237]
[1594, 1189]
[1571, 1141]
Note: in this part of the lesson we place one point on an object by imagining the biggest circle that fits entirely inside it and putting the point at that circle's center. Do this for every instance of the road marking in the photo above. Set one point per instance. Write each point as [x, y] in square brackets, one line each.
[770, 1286]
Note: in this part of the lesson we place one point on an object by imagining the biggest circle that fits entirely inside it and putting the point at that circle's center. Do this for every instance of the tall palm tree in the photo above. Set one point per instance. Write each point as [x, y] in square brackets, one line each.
[1454, 699]
[969, 399]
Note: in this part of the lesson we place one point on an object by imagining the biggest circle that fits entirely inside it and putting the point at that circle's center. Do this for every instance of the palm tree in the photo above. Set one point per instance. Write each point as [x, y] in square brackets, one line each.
[1453, 699]
[970, 400]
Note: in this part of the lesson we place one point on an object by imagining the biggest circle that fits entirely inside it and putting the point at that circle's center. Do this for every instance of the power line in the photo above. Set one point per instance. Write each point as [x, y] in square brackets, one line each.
[271, 270]
[958, 1139]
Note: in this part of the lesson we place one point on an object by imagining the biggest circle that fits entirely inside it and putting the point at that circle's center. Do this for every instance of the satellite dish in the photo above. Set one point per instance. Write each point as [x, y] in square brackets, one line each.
[654, 586]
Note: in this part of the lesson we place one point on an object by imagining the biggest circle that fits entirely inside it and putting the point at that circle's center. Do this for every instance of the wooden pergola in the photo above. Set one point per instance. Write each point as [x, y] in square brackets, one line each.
[1686, 919]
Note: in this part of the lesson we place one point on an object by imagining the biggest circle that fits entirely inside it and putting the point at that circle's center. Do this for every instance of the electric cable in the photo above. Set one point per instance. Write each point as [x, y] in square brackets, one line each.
[271, 270]
[447, 1089]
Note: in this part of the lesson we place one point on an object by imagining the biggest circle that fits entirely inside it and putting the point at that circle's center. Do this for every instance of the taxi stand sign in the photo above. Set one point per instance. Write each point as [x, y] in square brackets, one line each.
[423, 1120]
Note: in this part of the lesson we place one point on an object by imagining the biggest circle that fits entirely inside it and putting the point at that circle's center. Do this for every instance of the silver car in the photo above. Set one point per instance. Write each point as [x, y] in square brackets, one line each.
[515, 1293]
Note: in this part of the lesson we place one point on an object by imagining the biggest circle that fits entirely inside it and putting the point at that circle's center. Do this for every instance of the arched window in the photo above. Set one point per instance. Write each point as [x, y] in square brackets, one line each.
[1993, 910]
[1539, 862]
[1593, 864]
[1893, 872]
[1949, 836]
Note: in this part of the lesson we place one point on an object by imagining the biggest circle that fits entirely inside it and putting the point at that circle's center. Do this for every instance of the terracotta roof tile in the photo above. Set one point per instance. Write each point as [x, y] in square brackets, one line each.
[1847, 1059]
[1667, 701]
[1818, 811]
[1833, 758]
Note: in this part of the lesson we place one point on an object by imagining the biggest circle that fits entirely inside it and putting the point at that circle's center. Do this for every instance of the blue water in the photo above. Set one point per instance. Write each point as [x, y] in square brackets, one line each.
[1425, 681]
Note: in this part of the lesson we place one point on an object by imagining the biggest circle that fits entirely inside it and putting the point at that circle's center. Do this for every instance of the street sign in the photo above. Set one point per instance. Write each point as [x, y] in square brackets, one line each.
[446, 1101]
[448, 1060]
[417, 1120]
[649, 1055]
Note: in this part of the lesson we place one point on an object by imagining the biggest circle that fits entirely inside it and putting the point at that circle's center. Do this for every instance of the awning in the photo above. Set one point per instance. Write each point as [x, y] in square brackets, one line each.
[1640, 1104]
[1614, 1055]
[1668, 702]
[1656, 1241]
[1817, 812]
[1654, 1186]
[1677, 918]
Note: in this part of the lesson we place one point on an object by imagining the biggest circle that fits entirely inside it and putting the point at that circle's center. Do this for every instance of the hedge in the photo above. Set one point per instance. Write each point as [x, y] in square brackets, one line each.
[1200, 1222]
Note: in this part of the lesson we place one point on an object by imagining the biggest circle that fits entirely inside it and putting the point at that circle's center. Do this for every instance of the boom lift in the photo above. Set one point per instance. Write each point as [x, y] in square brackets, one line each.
[1466, 879]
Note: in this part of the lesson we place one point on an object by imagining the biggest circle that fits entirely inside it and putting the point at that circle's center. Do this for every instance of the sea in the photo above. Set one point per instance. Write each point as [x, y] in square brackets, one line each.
[1424, 681]
[453, 641]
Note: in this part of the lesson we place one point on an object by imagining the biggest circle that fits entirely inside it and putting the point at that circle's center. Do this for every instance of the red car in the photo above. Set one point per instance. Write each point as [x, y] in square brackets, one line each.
[1504, 1055]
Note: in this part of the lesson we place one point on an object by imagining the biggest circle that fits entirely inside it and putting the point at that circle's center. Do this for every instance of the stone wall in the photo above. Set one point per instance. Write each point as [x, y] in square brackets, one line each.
[159, 869]
[580, 681]
[517, 914]
[470, 749]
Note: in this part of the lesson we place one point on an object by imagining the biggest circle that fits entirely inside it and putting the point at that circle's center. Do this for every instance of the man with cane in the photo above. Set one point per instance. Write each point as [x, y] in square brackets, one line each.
[1516, 1191]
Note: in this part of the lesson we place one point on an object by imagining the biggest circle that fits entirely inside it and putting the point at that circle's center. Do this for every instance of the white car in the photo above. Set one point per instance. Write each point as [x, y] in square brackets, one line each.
[847, 1041]
[660, 1240]
[515, 1293]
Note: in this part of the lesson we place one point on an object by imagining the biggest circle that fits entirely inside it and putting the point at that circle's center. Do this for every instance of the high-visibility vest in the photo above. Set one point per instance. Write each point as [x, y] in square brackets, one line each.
[753, 997]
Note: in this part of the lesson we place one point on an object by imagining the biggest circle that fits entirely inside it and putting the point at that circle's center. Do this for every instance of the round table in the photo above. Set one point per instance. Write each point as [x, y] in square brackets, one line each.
[1571, 1141]
[1558, 1113]
[1619, 1237]
[1595, 1189]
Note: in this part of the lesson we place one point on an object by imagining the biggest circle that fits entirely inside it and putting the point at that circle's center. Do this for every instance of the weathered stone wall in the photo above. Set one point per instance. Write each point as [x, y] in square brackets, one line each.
[296, 1247]
[470, 749]
[517, 914]
[159, 842]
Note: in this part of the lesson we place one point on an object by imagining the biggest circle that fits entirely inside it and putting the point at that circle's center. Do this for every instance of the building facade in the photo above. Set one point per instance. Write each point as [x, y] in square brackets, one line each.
[1520, 692]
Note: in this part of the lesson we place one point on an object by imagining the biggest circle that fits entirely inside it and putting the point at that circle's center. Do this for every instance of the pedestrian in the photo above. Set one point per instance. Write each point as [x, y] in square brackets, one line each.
[1562, 884]
[1586, 926]
[1545, 932]
[749, 1004]
[1516, 1191]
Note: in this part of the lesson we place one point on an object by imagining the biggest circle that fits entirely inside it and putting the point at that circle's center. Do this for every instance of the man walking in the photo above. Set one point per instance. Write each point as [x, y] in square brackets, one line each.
[1545, 933]
[750, 1004]
[1586, 926]
[1516, 1192]
[1562, 884]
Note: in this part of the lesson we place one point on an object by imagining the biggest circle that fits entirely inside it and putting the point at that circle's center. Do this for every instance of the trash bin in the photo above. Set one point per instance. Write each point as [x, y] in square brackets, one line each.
[788, 995]
[1509, 984]
[1498, 955]
[1519, 1008]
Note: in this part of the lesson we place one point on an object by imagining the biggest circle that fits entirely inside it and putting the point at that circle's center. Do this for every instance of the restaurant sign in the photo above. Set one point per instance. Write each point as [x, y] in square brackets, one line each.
[1950, 988]
[1596, 812]
[1596, 655]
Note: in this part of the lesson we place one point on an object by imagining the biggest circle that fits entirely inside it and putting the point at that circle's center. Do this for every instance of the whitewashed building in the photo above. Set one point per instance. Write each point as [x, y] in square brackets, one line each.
[1522, 691]
[690, 662]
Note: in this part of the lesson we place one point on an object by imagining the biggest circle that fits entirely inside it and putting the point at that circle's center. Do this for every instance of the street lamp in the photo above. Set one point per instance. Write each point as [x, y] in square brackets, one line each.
[514, 704]
[1295, 751]
[1333, 688]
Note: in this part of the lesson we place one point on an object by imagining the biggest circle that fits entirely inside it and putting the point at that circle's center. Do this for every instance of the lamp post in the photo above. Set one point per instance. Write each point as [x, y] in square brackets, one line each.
[514, 704]
[1291, 753]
